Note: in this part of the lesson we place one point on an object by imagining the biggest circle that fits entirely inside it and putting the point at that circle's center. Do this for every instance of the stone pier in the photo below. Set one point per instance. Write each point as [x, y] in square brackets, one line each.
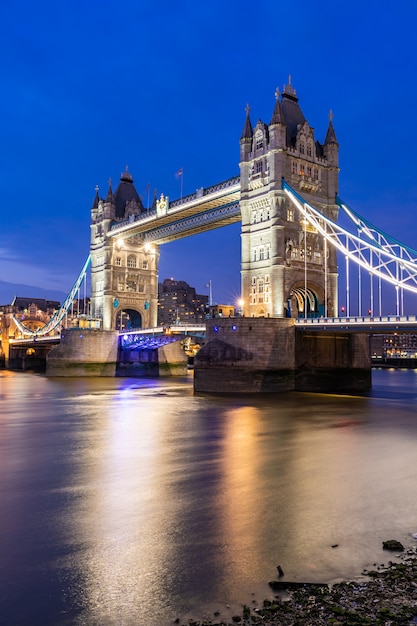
[266, 355]
[84, 352]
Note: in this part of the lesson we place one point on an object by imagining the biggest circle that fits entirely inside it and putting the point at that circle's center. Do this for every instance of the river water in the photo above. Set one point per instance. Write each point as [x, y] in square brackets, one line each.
[134, 502]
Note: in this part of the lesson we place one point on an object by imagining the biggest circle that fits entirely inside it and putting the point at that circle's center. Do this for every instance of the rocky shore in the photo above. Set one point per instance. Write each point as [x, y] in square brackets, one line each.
[385, 595]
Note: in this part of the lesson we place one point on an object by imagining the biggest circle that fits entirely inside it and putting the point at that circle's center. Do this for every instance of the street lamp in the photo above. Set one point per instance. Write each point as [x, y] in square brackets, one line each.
[240, 304]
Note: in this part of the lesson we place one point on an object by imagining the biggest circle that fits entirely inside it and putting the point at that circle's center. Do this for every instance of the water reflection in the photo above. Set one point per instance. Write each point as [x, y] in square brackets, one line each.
[134, 502]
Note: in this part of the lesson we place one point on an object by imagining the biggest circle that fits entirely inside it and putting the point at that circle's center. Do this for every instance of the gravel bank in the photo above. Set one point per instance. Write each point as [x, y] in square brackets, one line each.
[387, 596]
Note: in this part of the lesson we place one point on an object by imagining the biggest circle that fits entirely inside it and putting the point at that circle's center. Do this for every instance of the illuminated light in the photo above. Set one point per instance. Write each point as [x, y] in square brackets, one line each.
[148, 247]
[234, 327]
[125, 337]
[119, 244]
[216, 329]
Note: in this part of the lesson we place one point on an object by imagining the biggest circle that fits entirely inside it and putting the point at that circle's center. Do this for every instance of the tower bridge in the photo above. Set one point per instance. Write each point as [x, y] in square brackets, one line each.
[287, 200]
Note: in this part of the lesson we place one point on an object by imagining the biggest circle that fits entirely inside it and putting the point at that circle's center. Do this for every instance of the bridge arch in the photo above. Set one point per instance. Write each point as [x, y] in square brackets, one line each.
[127, 319]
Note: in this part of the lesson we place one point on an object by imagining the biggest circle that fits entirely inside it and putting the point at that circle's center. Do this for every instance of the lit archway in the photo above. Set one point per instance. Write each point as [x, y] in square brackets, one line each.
[304, 301]
[128, 319]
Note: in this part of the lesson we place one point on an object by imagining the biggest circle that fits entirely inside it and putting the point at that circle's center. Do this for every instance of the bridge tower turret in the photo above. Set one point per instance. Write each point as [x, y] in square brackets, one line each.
[124, 271]
[276, 278]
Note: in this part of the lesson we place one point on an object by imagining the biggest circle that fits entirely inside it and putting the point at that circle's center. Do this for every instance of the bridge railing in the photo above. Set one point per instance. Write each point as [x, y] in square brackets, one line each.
[383, 320]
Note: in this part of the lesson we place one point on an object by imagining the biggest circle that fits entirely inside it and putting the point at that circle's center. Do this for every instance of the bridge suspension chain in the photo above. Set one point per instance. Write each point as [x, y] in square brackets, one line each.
[59, 315]
[379, 254]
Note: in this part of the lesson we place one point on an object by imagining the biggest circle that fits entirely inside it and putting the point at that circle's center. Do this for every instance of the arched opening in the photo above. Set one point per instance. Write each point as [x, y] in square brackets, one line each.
[303, 303]
[128, 319]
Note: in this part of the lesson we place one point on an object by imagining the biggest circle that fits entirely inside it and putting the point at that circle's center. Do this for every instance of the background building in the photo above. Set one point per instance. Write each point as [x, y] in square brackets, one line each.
[178, 303]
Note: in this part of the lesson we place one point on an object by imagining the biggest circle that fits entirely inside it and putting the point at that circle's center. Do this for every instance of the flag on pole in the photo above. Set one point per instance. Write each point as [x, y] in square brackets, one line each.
[179, 176]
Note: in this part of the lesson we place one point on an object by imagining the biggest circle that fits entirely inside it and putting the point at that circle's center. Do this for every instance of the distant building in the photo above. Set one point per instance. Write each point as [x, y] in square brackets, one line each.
[179, 303]
[221, 310]
[397, 346]
[33, 312]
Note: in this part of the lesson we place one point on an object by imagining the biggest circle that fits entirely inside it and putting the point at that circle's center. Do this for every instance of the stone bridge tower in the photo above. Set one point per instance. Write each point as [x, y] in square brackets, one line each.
[124, 272]
[276, 280]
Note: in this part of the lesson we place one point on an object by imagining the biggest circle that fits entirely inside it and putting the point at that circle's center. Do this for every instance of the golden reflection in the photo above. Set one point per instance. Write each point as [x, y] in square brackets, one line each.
[123, 528]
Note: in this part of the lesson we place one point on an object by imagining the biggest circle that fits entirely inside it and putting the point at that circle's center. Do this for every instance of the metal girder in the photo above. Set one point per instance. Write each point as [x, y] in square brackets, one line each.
[375, 254]
[209, 220]
[200, 202]
[59, 315]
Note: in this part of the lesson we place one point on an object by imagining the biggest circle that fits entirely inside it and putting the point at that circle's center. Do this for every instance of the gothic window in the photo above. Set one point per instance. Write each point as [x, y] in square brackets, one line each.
[254, 254]
[268, 213]
[141, 288]
[261, 286]
[290, 215]
[308, 171]
[253, 220]
[301, 169]
[262, 216]
[118, 261]
[259, 142]
[294, 167]
[302, 148]
[268, 251]
[261, 253]
[131, 261]
[253, 280]
[145, 264]
[267, 278]
[258, 167]
[309, 149]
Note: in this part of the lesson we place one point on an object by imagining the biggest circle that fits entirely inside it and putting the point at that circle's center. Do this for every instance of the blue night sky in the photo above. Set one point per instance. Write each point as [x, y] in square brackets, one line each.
[90, 86]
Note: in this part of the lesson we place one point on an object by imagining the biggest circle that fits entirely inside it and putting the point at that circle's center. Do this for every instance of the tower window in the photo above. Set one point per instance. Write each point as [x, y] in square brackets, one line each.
[309, 149]
[258, 167]
[131, 261]
[302, 148]
[294, 167]
[259, 143]
[118, 261]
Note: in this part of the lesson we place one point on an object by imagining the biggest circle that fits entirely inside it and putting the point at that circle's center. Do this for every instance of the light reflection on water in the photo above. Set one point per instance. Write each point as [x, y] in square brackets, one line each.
[136, 502]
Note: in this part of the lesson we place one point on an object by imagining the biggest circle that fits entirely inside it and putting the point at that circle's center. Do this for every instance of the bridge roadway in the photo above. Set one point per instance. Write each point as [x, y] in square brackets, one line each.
[206, 209]
[361, 324]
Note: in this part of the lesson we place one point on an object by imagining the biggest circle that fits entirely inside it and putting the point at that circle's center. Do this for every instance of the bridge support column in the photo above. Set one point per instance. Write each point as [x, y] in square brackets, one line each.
[84, 352]
[246, 355]
[264, 355]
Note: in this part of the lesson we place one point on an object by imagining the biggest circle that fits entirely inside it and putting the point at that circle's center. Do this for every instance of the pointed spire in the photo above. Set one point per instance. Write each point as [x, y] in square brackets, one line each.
[247, 129]
[277, 116]
[155, 197]
[331, 135]
[97, 198]
[109, 197]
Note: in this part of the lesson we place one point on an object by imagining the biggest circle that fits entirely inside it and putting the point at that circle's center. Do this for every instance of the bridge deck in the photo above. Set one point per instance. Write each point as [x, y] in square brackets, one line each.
[202, 202]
